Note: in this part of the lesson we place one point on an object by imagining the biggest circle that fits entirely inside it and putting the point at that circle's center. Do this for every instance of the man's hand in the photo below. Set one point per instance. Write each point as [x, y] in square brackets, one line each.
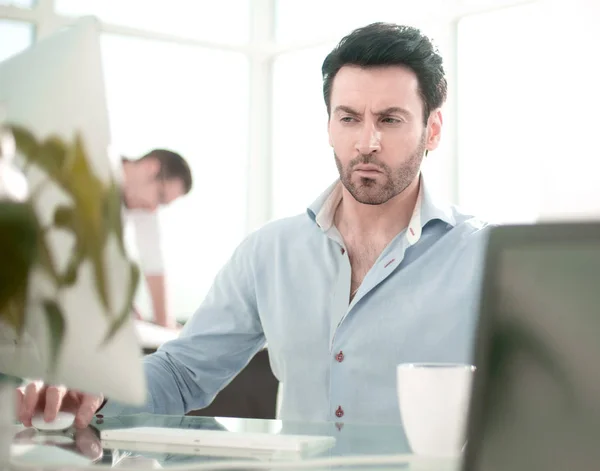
[86, 439]
[38, 397]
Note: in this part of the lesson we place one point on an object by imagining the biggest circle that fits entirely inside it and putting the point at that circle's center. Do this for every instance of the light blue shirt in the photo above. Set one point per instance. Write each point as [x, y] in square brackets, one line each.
[288, 285]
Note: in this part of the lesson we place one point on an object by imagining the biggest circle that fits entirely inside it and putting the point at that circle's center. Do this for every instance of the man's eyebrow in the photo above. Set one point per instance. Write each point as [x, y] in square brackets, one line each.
[394, 110]
[385, 112]
[346, 109]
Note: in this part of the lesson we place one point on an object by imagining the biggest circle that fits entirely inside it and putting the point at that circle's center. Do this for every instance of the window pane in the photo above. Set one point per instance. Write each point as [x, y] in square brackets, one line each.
[499, 98]
[224, 21]
[303, 163]
[571, 171]
[336, 18]
[194, 101]
[18, 3]
[14, 37]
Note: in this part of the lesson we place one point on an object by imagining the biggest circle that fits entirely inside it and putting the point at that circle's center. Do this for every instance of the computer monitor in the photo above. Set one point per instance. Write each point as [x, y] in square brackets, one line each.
[536, 392]
[56, 88]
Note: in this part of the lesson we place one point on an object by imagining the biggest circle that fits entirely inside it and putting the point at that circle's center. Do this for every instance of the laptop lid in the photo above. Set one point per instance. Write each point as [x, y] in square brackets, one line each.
[536, 393]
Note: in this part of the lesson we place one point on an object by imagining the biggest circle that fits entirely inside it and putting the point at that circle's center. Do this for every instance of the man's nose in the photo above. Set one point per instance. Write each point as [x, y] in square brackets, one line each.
[369, 139]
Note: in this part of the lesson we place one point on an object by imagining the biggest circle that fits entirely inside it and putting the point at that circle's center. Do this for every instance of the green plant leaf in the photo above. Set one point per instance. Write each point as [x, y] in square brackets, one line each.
[112, 212]
[94, 215]
[51, 157]
[64, 218]
[89, 194]
[18, 240]
[14, 312]
[25, 141]
[67, 165]
[56, 324]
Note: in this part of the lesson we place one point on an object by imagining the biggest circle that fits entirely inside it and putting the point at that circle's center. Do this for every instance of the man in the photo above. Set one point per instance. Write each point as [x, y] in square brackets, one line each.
[376, 273]
[156, 179]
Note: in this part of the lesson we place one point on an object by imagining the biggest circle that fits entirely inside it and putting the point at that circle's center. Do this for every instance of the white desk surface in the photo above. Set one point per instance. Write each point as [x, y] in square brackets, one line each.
[371, 444]
[152, 336]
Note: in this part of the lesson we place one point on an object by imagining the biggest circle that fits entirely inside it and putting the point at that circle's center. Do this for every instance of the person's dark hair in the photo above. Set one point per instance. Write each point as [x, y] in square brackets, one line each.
[172, 165]
[387, 44]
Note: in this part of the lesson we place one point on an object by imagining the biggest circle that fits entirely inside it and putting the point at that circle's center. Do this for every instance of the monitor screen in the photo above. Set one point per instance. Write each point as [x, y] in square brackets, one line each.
[536, 397]
[78, 325]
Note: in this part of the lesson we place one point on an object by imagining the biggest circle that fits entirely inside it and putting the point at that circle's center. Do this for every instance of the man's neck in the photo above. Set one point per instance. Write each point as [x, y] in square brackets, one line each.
[364, 221]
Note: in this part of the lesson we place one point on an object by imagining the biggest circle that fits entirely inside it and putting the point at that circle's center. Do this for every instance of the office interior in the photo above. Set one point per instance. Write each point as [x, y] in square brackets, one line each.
[235, 87]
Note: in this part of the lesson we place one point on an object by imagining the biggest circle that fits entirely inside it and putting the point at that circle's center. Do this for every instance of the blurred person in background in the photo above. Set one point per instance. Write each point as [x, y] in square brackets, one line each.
[153, 180]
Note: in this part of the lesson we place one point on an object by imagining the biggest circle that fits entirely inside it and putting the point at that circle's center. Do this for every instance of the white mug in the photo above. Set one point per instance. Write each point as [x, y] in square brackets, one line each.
[434, 403]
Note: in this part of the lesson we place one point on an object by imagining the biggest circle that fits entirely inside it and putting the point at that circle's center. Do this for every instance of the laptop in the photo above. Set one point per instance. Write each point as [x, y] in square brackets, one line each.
[536, 393]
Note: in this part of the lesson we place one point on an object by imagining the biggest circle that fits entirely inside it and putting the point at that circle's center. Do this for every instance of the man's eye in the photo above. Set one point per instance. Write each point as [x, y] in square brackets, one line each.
[391, 120]
[347, 119]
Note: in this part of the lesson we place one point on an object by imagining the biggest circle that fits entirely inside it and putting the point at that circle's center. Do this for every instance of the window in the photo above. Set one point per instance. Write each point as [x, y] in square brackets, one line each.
[18, 3]
[571, 170]
[225, 21]
[15, 36]
[439, 167]
[499, 100]
[194, 101]
[303, 163]
[334, 18]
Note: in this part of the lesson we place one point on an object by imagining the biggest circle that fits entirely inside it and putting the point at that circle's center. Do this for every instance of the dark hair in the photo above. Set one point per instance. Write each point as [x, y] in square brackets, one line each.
[172, 165]
[388, 44]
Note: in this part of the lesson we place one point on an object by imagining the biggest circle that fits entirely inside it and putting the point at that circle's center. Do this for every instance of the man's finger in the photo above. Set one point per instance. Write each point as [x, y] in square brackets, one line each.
[54, 399]
[30, 402]
[87, 410]
[19, 398]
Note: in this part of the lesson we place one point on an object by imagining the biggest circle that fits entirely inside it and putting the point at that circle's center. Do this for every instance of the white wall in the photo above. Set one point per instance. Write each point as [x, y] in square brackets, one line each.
[571, 171]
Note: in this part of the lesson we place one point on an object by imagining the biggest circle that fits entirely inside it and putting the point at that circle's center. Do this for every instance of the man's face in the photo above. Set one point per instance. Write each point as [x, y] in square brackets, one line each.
[147, 191]
[376, 130]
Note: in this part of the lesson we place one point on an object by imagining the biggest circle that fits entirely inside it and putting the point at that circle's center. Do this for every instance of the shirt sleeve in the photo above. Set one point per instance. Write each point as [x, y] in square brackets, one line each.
[146, 225]
[214, 346]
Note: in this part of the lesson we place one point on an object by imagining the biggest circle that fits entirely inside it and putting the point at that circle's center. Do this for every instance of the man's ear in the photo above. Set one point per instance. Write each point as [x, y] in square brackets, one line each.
[434, 130]
[151, 167]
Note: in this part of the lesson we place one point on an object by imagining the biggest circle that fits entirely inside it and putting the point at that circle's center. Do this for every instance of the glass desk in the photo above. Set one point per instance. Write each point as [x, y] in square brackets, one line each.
[84, 446]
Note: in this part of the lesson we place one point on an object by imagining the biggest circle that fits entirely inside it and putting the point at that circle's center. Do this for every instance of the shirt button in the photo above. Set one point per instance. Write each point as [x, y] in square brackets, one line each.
[339, 412]
[340, 357]
[343, 250]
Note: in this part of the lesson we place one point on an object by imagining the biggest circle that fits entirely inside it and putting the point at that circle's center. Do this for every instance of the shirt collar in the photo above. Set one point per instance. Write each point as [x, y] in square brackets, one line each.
[427, 209]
